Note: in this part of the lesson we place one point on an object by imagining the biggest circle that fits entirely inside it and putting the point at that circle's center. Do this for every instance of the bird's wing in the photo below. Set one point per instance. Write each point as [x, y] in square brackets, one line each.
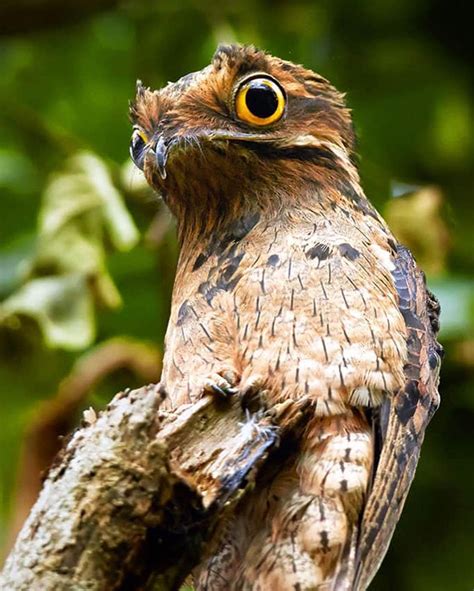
[401, 421]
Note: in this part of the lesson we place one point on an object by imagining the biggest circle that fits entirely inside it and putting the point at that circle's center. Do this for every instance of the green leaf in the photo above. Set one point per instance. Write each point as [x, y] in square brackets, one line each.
[87, 187]
[61, 305]
[13, 258]
[68, 271]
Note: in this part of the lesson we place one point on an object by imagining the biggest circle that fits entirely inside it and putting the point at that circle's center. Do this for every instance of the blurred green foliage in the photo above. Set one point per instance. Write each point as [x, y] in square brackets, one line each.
[73, 271]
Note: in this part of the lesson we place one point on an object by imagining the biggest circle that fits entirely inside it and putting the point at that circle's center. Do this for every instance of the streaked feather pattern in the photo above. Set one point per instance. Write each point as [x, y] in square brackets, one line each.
[289, 286]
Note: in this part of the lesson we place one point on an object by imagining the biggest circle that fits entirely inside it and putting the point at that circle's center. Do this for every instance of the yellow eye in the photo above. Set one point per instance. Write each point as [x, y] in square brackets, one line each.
[260, 101]
[137, 147]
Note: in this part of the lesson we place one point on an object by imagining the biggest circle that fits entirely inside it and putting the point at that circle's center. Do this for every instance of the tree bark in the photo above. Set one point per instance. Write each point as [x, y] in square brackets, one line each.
[57, 415]
[136, 497]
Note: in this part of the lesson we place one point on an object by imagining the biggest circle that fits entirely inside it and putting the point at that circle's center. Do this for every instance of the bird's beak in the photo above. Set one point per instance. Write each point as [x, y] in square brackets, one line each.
[164, 146]
[161, 156]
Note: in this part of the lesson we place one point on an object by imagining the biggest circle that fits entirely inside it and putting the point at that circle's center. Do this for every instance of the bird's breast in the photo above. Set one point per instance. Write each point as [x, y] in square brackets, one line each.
[293, 314]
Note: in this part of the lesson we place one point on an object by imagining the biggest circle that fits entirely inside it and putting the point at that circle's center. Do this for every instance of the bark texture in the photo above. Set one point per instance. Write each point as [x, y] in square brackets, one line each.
[135, 497]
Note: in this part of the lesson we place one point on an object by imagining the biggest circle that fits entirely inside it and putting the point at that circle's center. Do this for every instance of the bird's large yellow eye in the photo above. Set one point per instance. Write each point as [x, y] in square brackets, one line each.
[260, 101]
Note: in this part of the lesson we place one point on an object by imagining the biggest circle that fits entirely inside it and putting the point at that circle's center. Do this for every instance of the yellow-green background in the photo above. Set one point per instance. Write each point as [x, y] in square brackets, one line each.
[67, 71]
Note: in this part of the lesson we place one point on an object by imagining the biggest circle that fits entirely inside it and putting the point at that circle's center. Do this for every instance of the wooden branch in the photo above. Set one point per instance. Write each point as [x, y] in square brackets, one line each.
[56, 416]
[136, 496]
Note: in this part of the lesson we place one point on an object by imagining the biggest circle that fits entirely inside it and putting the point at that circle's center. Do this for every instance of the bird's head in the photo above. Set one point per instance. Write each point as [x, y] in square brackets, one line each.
[246, 126]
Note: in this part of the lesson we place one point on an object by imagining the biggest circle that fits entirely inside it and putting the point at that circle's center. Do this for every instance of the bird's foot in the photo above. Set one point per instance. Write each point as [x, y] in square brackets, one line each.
[221, 383]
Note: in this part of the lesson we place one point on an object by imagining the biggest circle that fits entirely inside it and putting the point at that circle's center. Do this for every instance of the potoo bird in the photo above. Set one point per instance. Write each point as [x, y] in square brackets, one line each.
[290, 284]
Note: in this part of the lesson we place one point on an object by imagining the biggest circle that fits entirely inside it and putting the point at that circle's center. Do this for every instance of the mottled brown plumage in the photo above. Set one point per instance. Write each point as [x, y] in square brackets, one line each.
[289, 284]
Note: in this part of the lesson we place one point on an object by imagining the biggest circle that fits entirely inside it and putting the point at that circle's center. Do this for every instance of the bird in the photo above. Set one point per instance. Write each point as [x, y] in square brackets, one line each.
[290, 286]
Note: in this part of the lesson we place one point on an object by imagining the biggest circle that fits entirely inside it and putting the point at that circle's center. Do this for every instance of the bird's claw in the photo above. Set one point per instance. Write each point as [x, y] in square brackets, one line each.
[228, 391]
[221, 385]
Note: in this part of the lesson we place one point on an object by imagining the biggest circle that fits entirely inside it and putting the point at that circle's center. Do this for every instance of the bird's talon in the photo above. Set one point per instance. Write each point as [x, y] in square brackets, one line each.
[217, 384]
[223, 391]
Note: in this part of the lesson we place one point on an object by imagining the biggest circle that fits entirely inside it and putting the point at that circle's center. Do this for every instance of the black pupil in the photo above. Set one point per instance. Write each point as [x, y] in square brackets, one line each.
[261, 100]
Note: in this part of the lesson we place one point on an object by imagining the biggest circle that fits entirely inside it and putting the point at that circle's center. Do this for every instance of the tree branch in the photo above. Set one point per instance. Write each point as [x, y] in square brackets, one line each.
[56, 416]
[136, 496]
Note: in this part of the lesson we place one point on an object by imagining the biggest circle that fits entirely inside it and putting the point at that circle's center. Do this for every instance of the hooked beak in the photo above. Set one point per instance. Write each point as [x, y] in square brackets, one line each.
[161, 156]
[164, 146]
